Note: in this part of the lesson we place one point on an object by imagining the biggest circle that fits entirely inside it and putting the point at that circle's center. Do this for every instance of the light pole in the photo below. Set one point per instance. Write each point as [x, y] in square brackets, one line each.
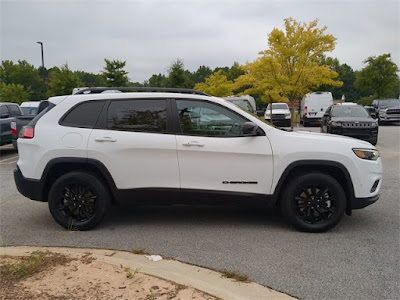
[43, 70]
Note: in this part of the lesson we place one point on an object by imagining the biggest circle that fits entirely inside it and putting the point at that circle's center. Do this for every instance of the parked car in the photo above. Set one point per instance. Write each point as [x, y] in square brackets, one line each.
[30, 107]
[350, 120]
[246, 102]
[280, 114]
[371, 110]
[19, 121]
[388, 110]
[8, 111]
[87, 151]
[313, 107]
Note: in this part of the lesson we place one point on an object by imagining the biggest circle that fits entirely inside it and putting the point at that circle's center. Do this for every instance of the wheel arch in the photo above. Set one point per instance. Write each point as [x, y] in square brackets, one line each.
[60, 166]
[331, 168]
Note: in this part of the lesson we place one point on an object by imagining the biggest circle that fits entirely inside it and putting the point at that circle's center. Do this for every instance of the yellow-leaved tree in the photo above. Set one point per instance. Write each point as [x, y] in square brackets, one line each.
[216, 85]
[290, 67]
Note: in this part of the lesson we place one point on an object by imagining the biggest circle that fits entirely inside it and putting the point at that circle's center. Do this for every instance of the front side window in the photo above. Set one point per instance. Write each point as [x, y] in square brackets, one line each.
[208, 119]
[138, 115]
[4, 110]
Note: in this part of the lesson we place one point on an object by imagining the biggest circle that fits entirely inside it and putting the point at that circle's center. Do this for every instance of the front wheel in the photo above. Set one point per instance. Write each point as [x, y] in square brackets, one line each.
[314, 202]
[78, 200]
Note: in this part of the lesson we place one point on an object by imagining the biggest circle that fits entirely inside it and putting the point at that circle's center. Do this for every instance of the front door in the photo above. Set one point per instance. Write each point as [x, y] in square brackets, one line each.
[214, 155]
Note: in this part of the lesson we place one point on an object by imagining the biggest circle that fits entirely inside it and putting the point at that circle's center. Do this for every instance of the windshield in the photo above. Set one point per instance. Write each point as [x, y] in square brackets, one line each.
[243, 104]
[277, 106]
[389, 103]
[29, 110]
[350, 111]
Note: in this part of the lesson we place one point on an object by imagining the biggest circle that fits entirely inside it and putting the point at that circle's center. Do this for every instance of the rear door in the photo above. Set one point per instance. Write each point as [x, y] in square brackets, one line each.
[5, 127]
[213, 153]
[136, 144]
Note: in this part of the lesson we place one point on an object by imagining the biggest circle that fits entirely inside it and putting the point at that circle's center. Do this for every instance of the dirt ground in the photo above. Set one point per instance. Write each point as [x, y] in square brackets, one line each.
[59, 277]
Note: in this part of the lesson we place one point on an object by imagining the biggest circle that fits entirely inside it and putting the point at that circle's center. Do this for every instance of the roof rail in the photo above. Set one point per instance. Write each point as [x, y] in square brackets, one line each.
[98, 90]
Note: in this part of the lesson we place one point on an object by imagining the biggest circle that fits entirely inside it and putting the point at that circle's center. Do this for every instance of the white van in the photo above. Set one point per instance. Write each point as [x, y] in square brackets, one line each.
[30, 107]
[314, 106]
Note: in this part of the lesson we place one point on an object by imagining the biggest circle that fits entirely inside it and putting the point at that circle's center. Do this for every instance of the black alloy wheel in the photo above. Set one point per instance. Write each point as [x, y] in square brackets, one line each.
[314, 202]
[78, 200]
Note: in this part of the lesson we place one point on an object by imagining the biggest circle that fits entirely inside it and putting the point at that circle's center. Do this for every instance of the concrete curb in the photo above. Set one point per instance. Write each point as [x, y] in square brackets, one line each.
[202, 279]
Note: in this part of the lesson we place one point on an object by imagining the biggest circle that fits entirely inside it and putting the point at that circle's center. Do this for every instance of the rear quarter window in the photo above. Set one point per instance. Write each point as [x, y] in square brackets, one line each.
[83, 115]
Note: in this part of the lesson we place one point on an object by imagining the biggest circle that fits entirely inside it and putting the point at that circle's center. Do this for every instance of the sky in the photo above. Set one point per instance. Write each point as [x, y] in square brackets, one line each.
[150, 34]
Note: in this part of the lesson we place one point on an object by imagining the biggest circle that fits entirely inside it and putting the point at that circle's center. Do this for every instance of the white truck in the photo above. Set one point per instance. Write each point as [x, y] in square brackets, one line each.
[313, 107]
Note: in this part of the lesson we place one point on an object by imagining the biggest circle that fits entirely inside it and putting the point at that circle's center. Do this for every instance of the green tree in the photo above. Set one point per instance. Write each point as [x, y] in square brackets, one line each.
[90, 79]
[62, 81]
[379, 78]
[23, 74]
[216, 85]
[291, 67]
[177, 76]
[200, 74]
[114, 73]
[345, 74]
[157, 81]
[13, 93]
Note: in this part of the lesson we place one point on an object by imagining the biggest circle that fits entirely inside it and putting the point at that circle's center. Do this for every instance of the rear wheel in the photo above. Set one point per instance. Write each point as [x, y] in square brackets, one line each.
[78, 200]
[314, 202]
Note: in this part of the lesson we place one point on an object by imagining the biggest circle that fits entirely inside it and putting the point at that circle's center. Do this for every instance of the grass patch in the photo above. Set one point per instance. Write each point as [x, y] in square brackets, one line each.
[34, 263]
[139, 251]
[129, 273]
[235, 275]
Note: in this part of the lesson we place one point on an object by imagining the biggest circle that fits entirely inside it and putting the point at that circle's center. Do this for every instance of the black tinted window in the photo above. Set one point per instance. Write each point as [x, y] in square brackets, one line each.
[83, 115]
[4, 110]
[138, 115]
[14, 110]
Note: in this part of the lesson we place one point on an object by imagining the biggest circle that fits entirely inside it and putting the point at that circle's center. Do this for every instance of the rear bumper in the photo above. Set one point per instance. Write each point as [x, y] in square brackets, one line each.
[358, 203]
[30, 188]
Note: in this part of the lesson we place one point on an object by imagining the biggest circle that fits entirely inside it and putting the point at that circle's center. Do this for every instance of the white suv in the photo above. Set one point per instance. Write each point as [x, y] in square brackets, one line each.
[92, 149]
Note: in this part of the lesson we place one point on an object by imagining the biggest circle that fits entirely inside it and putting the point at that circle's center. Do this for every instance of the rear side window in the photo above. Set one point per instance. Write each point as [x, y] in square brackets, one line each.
[83, 115]
[14, 110]
[138, 115]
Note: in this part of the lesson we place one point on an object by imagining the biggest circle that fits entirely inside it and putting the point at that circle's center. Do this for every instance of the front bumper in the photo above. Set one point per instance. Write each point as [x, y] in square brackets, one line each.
[30, 188]
[358, 203]
[368, 135]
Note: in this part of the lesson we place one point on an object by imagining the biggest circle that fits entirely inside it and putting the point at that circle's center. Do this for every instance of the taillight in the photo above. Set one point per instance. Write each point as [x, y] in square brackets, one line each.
[27, 132]
[13, 128]
[305, 110]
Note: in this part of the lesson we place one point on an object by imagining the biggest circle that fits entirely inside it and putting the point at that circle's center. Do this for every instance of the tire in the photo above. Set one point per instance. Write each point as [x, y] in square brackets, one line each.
[313, 202]
[305, 123]
[78, 200]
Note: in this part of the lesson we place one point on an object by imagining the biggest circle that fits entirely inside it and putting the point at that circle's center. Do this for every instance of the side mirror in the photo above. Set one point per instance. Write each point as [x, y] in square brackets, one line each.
[4, 116]
[250, 129]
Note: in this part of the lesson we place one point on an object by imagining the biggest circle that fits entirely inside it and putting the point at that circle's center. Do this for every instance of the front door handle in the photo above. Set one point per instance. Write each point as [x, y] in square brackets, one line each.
[193, 143]
[105, 139]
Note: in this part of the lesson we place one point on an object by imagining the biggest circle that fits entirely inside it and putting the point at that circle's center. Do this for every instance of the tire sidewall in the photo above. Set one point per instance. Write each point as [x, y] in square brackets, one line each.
[288, 207]
[96, 185]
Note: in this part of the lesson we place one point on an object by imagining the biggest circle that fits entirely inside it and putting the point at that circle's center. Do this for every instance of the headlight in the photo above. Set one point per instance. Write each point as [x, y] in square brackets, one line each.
[373, 125]
[382, 112]
[336, 124]
[368, 154]
[287, 114]
[268, 113]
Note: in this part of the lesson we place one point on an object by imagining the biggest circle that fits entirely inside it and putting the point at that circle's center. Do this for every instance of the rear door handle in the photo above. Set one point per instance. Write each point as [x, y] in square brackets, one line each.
[105, 139]
[193, 143]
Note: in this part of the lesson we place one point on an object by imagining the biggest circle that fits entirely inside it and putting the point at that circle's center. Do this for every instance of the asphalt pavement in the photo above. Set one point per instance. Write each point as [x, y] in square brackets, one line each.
[358, 259]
